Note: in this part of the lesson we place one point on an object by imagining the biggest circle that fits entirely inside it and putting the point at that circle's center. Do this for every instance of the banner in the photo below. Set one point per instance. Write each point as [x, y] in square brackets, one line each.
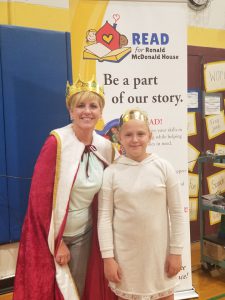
[138, 51]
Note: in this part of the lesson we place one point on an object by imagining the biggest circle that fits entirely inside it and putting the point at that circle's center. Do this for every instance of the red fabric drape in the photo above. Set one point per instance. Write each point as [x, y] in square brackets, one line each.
[35, 273]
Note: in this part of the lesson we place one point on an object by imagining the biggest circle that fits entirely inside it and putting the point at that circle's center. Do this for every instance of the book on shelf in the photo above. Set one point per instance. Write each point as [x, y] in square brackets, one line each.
[101, 53]
[212, 197]
[214, 200]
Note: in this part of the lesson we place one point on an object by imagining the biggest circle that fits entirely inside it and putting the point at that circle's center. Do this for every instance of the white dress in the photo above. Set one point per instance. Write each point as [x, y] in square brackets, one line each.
[136, 202]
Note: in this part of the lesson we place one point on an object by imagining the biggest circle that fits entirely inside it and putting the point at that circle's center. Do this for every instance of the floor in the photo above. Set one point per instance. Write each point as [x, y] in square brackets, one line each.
[209, 286]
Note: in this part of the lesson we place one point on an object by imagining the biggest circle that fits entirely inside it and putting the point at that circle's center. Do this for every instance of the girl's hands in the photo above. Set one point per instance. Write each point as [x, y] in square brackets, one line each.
[112, 270]
[63, 254]
[173, 265]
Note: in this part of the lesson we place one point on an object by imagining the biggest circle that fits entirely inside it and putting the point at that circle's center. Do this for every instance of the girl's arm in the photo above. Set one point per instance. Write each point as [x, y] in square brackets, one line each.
[177, 222]
[105, 228]
[112, 270]
[173, 264]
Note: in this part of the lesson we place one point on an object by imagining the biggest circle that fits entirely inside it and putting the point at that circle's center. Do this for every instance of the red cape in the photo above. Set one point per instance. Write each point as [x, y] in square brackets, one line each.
[35, 272]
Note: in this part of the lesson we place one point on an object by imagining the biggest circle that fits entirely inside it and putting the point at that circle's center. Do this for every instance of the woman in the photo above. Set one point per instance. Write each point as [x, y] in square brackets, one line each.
[141, 217]
[56, 236]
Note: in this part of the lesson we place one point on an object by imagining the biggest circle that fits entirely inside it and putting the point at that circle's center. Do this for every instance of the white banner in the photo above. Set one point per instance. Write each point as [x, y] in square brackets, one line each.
[148, 69]
[138, 50]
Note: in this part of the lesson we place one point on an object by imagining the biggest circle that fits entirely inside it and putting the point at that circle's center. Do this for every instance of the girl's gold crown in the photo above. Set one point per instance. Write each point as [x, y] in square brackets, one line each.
[134, 114]
[82, 86]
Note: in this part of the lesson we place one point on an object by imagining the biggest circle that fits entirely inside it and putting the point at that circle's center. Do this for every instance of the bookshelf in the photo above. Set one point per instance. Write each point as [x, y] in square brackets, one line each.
[212, 247]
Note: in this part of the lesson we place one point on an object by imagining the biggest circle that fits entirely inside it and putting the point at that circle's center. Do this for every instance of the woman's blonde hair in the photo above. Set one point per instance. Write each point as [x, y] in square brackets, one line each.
[81, 96]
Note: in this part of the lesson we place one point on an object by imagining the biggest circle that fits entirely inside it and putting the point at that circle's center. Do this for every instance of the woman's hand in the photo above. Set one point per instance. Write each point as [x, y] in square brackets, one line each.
[112, 270]
[63, 254]
[173, 265]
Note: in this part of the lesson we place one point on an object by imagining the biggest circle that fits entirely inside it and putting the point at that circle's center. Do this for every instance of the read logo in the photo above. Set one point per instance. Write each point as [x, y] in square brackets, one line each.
[106, 44]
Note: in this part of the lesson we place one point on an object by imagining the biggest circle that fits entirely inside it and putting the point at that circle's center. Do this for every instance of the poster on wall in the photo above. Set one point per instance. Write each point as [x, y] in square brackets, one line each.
[137, 50]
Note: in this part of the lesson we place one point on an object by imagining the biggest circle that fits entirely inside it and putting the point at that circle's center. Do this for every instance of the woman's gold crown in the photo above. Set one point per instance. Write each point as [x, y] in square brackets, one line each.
[82, 86]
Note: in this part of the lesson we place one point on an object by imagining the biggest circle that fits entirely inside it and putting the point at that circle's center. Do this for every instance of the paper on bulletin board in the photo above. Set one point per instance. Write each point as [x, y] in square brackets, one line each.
[215, 125]
[193, 209]
[216, 182]
[192, 128]
[219, 150]
[193, 184]
[193, 155]
[214, 217]
[212, 104]
[192, 100]
[214, 76]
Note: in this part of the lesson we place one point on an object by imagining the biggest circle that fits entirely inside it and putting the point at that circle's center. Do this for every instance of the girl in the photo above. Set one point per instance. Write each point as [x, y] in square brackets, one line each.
[140, 218]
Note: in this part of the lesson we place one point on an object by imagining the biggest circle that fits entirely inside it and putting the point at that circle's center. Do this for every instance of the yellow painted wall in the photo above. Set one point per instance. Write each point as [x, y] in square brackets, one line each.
[92, 13]
[44, 17]
[35, 16]
[204, 37]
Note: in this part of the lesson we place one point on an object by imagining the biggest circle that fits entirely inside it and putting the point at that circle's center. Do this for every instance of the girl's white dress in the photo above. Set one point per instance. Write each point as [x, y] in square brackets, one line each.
[141, 221]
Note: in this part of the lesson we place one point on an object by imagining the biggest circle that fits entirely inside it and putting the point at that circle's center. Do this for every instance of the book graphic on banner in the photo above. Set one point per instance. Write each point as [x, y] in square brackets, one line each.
[100, 52]
[107, 43]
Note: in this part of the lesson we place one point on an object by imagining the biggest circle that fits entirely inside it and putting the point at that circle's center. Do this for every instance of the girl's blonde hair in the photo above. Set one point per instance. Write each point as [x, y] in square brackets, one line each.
[134, 114]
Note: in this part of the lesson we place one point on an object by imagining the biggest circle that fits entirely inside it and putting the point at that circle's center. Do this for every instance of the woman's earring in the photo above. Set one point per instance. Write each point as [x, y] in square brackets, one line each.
[71, 118]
